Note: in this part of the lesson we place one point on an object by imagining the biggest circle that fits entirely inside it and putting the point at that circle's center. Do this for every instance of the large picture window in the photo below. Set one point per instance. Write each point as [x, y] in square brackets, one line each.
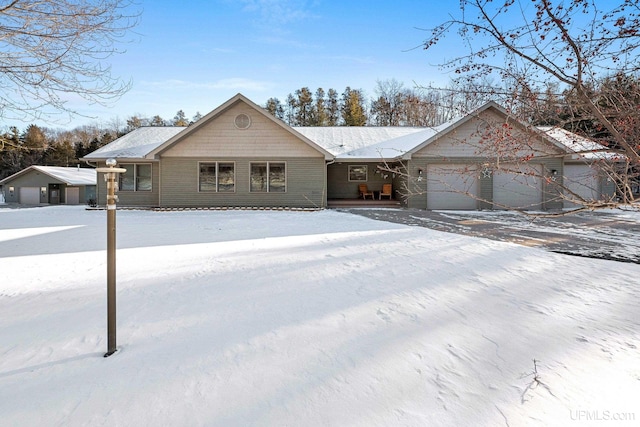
[216, 176]
[358, 173]
[136, 178]
[269, 177]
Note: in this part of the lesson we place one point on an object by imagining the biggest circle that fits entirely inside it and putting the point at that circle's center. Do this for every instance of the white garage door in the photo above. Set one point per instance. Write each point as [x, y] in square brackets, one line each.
[30, 195]
[518, 187]
[452, 187]
[73, 196]
[580, 180]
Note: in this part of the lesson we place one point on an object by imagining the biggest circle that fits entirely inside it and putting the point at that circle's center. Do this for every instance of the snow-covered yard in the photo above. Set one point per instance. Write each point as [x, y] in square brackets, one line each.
[238, 318]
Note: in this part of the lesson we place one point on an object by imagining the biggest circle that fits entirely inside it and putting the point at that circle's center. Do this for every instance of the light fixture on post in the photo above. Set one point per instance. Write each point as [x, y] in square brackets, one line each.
[111, 172]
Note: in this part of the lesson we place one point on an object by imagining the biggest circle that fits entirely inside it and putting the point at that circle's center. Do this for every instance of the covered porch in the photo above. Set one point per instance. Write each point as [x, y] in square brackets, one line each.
[360, 203]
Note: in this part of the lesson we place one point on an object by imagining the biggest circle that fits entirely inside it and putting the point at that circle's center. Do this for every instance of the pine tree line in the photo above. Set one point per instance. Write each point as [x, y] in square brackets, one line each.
[55, 147]
[392, 105]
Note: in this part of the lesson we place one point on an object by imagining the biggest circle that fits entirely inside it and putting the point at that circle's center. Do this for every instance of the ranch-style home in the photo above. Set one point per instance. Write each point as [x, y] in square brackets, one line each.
[239, 155]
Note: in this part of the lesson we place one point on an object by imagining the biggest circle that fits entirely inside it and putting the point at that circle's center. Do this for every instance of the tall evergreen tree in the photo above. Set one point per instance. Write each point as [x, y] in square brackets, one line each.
[34, 144]
[353, 109]
[133, 123]
[319, 109]
[332, 107]
[290, 115]
[61, 154]
[180, 119]
[11, 158]
[196, 117]
[93, 145]
[106, 138]
[275, 108]
[157, 121]
[304, 106]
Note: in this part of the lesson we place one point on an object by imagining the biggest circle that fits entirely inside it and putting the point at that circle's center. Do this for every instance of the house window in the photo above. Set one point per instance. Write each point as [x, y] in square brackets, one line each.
[358, 172]
[136, 178]
[269, 177]
[216, 176]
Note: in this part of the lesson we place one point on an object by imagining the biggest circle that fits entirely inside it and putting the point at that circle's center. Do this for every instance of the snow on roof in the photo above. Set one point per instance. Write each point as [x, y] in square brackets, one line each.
[342, 139]
[137, 143]
[70, 176]
[584, 147]
[396, 147]
[336, 140]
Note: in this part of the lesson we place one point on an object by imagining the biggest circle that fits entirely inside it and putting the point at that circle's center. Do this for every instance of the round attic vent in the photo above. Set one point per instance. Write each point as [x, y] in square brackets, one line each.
[242, 121]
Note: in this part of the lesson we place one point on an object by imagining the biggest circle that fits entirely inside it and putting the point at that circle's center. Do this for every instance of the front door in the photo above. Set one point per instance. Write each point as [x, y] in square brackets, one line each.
[54, 194]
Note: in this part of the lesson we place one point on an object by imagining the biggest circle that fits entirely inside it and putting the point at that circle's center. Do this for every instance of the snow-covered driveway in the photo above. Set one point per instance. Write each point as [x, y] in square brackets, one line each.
[606, 234]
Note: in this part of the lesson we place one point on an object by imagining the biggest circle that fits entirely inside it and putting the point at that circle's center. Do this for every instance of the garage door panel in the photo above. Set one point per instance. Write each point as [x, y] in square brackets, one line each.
[518, 187]
[580, 180]
[30, 195]
[452, 187]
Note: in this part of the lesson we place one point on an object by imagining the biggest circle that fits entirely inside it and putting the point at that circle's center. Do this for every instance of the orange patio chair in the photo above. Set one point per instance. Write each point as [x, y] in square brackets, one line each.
[386, 191]
[364, 191]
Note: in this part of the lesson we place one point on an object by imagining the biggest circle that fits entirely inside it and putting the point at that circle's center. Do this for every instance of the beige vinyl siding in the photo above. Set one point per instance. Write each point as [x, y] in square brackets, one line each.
[305, 179]
[467, 141]
[133, 198]
[417, 195]
[463, 146]
[221, 138]
[33, 179]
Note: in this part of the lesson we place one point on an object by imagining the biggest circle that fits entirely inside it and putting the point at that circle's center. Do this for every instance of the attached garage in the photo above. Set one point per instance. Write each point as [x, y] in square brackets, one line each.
[30, 195]
[518, 187]
[582, 182]
[452, 187]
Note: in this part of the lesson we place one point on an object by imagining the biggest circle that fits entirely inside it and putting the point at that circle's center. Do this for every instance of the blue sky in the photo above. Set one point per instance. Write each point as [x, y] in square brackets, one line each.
[195, 55]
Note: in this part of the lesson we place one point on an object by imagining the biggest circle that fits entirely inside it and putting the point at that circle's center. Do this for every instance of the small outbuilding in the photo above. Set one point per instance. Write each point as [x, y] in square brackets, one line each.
[37, 185]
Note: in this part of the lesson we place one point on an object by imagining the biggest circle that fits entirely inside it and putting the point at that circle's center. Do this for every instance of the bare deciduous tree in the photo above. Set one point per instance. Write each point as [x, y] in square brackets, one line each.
[56, 50]
[535, 48]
